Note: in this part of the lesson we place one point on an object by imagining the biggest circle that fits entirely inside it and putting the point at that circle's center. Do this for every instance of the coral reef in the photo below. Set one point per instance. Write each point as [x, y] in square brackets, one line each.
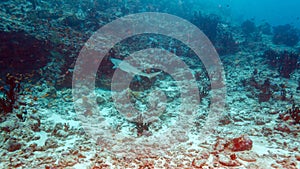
[208, 24]
[248, 27]
[284, 61]
[10, 94]
[45, 131]
[291, 114]
[242, 143]
[22, 53]
[285, 34]
[225, 43]
[266, 90]
[219, 33]
[142, 127]
[265, 28]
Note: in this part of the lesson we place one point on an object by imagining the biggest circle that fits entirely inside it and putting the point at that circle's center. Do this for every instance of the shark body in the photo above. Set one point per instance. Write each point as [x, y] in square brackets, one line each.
[125, 66]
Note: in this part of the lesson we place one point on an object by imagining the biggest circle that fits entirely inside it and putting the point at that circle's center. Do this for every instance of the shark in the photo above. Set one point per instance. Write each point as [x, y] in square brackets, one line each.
[125, 66]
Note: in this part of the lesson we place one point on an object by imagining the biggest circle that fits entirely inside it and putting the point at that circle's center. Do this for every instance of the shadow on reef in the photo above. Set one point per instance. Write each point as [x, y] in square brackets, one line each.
[10, 98]
[248, 27]
[10, 94]
[22, 53]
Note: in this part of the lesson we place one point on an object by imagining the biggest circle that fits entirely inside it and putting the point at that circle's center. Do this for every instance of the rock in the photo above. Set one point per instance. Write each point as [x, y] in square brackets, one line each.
[13, 146]
[58, 126]
[242, 143]
[297, 156]
[43, 14]
[248, 156]
[100, 100]
[199, 163]
[51, 143]
[225, 160]
[72, 21]
[253, 166]
[8, 126]
[61, 133]
[35, 125]
[33, 146]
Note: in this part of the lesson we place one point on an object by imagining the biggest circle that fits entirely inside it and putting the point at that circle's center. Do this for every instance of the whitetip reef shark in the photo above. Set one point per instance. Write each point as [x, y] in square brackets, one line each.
[125, 66]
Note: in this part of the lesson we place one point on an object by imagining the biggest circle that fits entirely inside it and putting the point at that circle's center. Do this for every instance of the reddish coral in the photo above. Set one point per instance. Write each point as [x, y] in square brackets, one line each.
[233, 156]
[242, 143]
[282, 128]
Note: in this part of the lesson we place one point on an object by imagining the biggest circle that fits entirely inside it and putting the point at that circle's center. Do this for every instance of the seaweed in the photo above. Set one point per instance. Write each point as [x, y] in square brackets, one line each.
[141, 126]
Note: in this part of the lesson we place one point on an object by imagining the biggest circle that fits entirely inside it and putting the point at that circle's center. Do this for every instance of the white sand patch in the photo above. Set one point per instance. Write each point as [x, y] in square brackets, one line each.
[56, 118]
[40, 142]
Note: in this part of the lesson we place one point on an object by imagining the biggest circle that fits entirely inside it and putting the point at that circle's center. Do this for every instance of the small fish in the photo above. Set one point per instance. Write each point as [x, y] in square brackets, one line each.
[45, 95]
[125, 66]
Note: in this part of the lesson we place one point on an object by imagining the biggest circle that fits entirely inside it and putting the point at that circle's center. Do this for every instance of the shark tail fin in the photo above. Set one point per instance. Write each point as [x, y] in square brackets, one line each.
[151, 75]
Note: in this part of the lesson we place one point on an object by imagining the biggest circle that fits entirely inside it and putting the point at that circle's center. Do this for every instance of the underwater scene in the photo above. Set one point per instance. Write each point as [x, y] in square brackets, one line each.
[149, 84]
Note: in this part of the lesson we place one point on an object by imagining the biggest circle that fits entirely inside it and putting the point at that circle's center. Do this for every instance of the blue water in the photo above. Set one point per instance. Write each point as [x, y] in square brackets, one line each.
[276, 12]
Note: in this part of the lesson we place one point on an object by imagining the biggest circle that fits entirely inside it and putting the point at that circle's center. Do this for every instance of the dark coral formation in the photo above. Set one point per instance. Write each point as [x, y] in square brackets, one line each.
[22, 53]
[208, 24]
[226, 43]
[142, 127]
[265, 28]
[263, 91]
[266, 90]
[285, 34]
[284, 61]
[248, 27]
[220, 36]
[10, 94]
[291, 114]
[288, 63]
[295, 114]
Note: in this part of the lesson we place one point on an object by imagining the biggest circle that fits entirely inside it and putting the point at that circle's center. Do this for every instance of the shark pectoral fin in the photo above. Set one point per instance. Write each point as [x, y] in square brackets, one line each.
[116, 62]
